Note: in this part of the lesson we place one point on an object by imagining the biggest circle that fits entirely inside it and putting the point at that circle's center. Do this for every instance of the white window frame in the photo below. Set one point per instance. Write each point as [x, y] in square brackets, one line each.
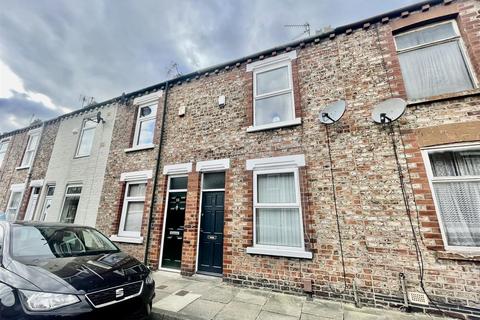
[79, 195]
[28, 148]
[457, 37]
[432, 180]
[126, 201]
[80, 138]
[285, 164]
[15, 188]
[268, 65]
[138, 124]
[144, 101]
[2, 143]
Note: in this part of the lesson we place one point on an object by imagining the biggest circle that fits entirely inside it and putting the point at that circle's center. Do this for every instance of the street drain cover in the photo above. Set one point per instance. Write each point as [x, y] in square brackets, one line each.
[162, 286]
[181, 293]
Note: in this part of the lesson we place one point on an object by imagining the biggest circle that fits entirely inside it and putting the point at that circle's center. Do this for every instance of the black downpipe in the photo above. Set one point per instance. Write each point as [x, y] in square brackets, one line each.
[155, 176]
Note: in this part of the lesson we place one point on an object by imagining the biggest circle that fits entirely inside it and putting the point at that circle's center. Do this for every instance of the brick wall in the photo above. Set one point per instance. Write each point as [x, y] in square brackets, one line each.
[40, 164]
[8, 173]
[119, 161]
[362, 68]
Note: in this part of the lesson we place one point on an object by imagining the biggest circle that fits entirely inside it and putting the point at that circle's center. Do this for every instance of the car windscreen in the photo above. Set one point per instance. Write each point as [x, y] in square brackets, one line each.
[28, 241]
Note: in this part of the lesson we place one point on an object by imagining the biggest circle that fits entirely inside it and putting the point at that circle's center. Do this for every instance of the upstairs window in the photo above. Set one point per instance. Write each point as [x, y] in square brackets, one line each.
[33, 138]
[3, 150]
[85, 141]
[454, 174]
[433, 61]
[145, 125]
[273, 96]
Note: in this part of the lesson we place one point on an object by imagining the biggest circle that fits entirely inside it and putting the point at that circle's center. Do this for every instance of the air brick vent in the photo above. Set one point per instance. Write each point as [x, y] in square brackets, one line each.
[418, 298]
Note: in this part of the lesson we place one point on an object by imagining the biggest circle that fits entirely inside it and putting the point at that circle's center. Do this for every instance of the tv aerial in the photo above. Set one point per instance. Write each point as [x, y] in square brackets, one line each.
[305, 26]
[389, 110]
[333, 112]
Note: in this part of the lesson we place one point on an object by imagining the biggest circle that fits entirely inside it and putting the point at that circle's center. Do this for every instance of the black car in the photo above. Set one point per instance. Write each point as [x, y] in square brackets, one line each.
[50, 271]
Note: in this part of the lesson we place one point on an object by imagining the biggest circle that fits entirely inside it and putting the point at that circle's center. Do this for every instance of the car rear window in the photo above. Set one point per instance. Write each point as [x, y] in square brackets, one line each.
[53, 242]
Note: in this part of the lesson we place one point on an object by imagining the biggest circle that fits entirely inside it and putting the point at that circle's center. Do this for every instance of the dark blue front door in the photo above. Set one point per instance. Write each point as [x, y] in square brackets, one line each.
[210, 256]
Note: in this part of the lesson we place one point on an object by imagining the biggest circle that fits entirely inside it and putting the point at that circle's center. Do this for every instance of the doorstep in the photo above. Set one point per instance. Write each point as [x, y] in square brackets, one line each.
[208, 298]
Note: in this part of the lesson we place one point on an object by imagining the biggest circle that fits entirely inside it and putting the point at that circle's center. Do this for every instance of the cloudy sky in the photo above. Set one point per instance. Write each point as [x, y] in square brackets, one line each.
[54, 51]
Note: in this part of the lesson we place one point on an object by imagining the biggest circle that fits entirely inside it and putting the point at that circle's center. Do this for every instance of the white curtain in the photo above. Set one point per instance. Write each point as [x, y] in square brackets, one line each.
[276, 188]
[459, 204]
[137, 190]
[277, 226]
[468, 163]
[434, 70]
[458, 201]
[133, 220]
[452, 164]
[424, 36]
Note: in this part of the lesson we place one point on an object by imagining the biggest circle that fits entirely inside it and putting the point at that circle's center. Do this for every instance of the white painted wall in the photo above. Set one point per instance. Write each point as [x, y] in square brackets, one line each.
[64, 169]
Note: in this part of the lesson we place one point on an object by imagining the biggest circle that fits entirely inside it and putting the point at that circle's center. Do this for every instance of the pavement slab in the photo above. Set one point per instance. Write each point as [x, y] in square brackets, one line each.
[267, 315]
[160, 295]
[175, 303]
[252, 296]
[285, 304]
[223, 294]
[237, 310]
[202, 309]
[200, 287]
[172, 285]
[325, 309]
[306, 316]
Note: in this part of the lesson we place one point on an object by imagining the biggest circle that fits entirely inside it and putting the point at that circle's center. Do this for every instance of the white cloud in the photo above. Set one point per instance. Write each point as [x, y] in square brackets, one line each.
[11, 84]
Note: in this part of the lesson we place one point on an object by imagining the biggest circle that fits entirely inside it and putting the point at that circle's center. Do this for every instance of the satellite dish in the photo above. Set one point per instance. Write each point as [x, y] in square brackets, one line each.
[389, 110]
[333, 112]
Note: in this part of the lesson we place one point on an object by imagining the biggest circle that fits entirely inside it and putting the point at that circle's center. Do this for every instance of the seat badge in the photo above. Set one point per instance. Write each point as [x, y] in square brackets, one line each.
[119, 293]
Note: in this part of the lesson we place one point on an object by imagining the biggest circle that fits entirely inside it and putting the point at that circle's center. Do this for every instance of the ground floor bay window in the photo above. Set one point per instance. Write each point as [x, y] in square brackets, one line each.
[277, 209]
[454, 175]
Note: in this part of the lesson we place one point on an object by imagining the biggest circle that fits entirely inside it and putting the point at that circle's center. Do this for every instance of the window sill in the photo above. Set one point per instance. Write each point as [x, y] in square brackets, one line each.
[22, 167]
[145, 147]
[446, 255]
[442, 97]
[269, 126]
[280, 253]
[117, 238]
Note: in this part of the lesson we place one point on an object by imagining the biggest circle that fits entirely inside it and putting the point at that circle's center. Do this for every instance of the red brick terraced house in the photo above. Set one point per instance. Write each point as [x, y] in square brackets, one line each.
[229, 172]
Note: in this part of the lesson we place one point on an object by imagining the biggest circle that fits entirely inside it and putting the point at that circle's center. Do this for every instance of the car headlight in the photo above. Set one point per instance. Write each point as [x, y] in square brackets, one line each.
[44, 301]
[149, 279]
